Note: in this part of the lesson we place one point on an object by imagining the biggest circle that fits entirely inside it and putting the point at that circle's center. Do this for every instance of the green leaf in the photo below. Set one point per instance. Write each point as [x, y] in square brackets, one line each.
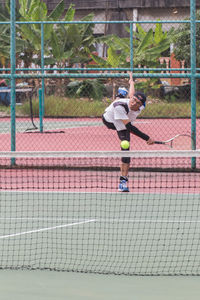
[33, 5]
[147, 41]
[23, 6]
[58, 11]
[48, 28]
[73, 35]
[57, 50]
[113, 58]
[121, 44]
[141, 31]
[158, 33]
[67, 54]
[70, 13]
[100, 61]
[38, 14]
[30, 34]
[89, 17]
[158, 49]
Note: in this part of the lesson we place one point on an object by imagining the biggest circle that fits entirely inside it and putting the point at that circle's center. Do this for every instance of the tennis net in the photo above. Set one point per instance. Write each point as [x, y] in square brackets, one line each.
[62, 211]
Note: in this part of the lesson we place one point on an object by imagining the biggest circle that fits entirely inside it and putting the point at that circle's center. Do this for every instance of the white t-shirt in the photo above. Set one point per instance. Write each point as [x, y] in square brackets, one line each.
[119, 110]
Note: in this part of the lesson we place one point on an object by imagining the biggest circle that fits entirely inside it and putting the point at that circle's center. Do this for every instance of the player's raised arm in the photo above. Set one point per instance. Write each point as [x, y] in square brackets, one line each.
[132, 86]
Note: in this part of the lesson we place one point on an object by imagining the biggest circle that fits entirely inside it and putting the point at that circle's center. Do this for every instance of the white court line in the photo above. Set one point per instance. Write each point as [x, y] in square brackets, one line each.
[50, 192]
[45, 229]
[103, 220]
[142, 122]
[96, 125]
[86, 125]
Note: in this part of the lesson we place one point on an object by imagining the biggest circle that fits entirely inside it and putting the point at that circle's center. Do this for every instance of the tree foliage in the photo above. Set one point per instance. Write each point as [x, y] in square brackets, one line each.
[182, 42]
[147, 47]
[5, 33]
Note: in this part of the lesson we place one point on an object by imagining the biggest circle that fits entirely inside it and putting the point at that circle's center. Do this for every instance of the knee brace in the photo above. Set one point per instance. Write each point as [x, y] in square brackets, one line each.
[126, 160]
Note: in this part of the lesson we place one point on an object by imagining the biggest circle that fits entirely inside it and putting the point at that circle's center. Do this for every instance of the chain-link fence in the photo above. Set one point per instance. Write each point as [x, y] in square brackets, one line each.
[84, 56]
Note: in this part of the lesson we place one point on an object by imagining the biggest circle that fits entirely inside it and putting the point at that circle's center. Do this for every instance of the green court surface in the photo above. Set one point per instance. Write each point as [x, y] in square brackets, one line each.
[25, 124]
[143, 234]
[46, 285]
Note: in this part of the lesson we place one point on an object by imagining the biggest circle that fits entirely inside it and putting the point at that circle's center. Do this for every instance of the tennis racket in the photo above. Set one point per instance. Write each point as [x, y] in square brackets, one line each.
[178, 142]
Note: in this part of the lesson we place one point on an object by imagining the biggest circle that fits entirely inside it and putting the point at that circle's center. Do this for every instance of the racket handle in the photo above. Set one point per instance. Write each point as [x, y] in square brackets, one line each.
[158, 142]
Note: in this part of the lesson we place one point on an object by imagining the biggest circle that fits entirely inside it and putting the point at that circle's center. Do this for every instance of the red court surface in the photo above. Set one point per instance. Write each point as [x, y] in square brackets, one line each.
[86, 137]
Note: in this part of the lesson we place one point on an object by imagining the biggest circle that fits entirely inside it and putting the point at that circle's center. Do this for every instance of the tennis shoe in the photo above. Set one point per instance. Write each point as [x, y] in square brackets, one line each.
[123, 186]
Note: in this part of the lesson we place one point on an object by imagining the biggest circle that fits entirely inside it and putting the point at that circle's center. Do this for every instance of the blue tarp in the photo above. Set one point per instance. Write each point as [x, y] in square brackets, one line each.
[4, 96]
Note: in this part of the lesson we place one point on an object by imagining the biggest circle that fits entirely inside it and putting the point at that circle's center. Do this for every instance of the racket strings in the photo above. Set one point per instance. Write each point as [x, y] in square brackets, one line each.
[182, 143]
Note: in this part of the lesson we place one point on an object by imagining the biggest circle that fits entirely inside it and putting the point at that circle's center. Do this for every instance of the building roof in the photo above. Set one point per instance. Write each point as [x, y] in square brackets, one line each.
[114, 4]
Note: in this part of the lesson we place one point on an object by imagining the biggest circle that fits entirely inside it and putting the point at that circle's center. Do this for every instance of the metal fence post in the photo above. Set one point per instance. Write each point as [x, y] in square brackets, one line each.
[13, 71]
[193, 74]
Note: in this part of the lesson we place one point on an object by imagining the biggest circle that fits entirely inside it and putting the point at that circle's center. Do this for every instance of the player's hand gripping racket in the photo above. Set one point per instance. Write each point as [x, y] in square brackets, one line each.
[178, 142]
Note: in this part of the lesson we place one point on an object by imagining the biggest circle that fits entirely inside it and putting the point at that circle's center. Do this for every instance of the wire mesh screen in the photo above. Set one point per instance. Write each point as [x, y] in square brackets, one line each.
[72, 104]
[61, 211]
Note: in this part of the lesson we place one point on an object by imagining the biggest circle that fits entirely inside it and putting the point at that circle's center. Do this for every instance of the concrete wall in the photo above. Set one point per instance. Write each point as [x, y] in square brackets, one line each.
[166, 14]
[141, 15]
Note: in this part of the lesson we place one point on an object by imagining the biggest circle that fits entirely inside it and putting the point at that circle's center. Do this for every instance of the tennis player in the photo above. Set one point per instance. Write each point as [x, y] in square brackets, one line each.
[120, 116]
